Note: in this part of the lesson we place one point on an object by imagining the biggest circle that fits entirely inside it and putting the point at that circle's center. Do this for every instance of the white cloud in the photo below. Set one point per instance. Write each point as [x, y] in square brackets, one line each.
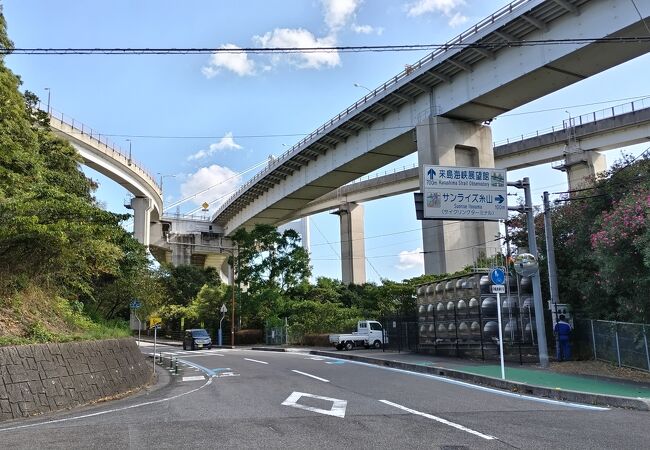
[217, 182]
[367, 29]
[408, 259]
[446, 7]
[227, 142]
[236, 62]
[339, 12]
[300, 38]
[457, 20]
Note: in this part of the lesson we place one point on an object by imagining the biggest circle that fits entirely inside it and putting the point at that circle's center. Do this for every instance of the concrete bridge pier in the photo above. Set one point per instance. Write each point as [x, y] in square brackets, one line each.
[450, 245]
[581, 166]
[142, 207]
[353, 253]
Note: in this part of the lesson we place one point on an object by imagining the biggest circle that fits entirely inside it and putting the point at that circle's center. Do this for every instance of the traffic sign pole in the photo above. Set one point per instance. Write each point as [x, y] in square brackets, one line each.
[499, 289]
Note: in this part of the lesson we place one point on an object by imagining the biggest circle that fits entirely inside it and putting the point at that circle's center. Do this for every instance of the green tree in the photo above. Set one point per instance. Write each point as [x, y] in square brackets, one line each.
[183, 283]
[269, 258]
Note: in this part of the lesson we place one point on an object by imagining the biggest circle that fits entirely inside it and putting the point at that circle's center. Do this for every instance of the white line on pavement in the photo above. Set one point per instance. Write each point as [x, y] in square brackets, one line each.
[311, 376]
[194, 378]
[439, 419]
[124, 408]
[256, 361]
[479, 388]
[337, 409]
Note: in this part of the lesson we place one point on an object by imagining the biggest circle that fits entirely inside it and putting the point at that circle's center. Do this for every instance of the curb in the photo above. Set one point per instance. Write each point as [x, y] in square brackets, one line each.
[638, 404]
[269, 349]
[179, 344]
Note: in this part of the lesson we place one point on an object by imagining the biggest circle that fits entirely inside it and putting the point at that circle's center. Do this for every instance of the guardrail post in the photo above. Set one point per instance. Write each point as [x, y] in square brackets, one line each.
[618, 348]
[593, 339]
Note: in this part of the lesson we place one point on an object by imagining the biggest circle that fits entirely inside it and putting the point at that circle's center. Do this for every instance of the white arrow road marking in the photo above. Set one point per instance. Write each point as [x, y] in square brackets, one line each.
[337, 410]
[439, 419]
[311, 376]
[256, 361]
[194, 378]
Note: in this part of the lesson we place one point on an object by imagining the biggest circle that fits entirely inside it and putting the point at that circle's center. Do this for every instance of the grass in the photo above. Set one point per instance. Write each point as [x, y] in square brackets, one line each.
[33, 316]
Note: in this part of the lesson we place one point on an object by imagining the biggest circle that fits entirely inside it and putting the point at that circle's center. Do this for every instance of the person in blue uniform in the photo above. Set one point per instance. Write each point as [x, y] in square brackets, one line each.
[562, 333]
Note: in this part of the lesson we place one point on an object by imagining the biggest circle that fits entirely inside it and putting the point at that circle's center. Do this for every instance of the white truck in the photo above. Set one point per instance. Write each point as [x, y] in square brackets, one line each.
[369, 333]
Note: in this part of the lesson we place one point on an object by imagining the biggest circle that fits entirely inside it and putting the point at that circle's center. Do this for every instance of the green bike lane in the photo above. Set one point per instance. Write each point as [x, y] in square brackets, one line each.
[555, 380]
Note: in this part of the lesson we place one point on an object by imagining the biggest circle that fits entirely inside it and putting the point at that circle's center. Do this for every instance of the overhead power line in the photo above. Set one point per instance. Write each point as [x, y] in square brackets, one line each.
[337, 49]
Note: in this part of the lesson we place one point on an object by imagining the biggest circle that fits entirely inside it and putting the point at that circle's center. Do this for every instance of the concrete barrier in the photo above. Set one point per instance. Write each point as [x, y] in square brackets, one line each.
[35, 379]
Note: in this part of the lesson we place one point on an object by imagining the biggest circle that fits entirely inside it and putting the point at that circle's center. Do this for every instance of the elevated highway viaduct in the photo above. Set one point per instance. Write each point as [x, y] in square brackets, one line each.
[575, 146]
[437, 107]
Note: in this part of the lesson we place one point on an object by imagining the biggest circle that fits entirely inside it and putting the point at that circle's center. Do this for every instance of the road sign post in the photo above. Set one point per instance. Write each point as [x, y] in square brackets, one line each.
[498, 277]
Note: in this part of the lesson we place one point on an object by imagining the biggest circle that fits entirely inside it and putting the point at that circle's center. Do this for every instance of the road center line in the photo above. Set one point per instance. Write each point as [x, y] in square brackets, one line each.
[440, 420]
[256, 361]
[311, 376]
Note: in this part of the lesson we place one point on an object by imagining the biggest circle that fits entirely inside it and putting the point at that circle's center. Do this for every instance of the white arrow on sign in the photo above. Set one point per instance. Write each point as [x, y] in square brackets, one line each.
[337, 409]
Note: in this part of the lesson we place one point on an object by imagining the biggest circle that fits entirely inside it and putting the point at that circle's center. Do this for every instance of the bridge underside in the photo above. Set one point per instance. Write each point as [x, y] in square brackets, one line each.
[282, 210]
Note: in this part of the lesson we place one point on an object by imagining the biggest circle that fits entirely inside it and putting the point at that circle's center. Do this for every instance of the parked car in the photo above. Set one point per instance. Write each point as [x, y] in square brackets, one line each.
[196, 338]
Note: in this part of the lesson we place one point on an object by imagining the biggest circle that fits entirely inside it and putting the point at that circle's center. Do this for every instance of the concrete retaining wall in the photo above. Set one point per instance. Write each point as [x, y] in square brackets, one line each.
[35, 379]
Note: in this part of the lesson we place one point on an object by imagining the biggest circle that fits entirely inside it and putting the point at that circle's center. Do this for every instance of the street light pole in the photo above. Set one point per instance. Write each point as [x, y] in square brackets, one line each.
[129, 141]
[49, 96]
[363, 87]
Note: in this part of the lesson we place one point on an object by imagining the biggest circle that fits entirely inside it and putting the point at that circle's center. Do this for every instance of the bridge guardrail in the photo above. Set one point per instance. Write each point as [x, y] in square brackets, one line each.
[451, 44]
[106, 146]
[583, 119]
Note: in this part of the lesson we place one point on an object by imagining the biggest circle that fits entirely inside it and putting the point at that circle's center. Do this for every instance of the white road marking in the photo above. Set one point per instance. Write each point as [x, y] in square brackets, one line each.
[226, 374]
[194, 378]
[256, 361]
[311, 376]
[100, 413]
[315, 358]
[337, 410]
[440, 419]
[480, 388]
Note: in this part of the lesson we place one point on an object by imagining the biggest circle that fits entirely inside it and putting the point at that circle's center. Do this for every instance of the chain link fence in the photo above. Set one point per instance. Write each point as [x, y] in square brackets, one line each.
[621, 343]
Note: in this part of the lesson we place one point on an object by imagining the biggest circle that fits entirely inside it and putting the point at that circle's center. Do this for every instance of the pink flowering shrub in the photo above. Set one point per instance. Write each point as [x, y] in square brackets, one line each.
[626, 223]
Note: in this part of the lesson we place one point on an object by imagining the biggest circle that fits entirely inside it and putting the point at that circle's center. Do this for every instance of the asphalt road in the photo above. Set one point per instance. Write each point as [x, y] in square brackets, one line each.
[252, 399]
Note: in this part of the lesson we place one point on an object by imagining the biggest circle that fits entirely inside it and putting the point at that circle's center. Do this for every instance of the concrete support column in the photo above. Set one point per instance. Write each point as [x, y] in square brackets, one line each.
[450, 245]
[581, 167]
[353, 254]
[142, 207]
[182, 246]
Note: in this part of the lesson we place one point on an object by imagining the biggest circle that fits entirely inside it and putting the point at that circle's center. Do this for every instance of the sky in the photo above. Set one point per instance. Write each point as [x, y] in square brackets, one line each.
[204, 120]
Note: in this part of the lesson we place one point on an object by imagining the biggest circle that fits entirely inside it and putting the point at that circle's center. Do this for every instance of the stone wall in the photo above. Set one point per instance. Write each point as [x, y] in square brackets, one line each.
[36, 379]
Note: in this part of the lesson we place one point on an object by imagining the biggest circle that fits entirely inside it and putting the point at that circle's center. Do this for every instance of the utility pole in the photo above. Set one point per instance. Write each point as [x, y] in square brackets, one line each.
[537, 287]
[550, 254]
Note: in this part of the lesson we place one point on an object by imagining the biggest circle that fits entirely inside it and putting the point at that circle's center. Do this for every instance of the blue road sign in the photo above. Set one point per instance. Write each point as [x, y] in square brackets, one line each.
[135, 304]
[497, 275]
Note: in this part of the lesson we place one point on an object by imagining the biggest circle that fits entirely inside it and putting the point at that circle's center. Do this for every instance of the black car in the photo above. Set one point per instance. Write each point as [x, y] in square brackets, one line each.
[196, 338]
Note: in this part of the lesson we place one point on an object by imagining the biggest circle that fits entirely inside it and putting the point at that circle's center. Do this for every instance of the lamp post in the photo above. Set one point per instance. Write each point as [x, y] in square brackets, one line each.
[129, 141]
[363, 87]
[49, 96]
[231, 250]
[162, 177]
